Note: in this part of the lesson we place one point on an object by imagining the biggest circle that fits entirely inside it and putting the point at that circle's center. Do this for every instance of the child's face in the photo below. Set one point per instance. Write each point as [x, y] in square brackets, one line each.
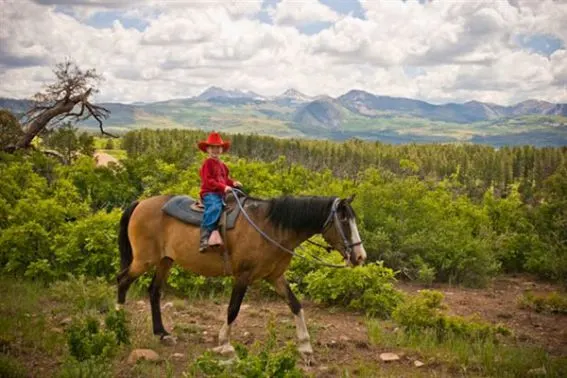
[214, 151]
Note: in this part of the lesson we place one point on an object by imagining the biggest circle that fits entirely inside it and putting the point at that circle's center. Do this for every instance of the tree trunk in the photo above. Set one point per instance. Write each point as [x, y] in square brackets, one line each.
[38, 124]
[61, 107]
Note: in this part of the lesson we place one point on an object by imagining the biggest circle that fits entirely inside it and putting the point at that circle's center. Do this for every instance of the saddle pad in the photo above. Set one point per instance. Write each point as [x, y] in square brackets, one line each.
[179, 207]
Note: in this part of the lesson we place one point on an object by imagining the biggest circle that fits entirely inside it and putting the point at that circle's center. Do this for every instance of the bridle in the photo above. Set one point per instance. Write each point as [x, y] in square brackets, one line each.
[334, 218]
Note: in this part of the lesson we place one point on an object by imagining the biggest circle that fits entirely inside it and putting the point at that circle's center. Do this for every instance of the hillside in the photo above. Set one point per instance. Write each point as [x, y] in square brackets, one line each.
[354, 114]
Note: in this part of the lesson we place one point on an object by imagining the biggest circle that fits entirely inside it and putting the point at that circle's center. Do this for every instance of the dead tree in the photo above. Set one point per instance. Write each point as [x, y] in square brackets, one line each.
[65, 100]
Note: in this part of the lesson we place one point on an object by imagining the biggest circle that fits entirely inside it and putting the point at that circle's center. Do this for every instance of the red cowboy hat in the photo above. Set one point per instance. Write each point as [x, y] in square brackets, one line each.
[214, 139]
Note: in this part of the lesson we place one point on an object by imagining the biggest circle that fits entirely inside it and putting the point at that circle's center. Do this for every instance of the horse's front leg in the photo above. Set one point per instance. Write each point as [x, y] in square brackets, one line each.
[238, 291]
[282, 288]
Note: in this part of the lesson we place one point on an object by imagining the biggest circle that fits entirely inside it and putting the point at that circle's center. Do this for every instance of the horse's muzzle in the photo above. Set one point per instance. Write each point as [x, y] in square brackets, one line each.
[358, 255]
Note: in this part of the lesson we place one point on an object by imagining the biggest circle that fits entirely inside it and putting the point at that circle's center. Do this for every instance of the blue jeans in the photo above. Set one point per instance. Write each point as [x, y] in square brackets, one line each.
[213, 210]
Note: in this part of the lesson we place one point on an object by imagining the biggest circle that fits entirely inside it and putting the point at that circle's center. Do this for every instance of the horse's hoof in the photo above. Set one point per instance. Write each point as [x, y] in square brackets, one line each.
[305, 349]
[168, 340]
[306, 352]
[225, 350]
[119, 307]
[308, 359]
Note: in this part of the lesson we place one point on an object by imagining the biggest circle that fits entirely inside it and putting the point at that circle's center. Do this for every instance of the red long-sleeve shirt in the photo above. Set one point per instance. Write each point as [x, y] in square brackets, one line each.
[214, 177]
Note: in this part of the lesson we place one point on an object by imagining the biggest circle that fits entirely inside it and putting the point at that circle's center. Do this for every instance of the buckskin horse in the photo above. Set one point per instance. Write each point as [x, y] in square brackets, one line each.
[149, 237]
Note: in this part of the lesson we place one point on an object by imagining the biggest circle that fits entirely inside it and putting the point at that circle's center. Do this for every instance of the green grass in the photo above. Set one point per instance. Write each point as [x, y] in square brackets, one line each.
[484, 356]
[11, 368]
[24, 325]
[553, 302]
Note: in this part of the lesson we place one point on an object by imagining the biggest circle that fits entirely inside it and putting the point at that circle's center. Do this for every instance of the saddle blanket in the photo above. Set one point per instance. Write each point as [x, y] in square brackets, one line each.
[180, 208]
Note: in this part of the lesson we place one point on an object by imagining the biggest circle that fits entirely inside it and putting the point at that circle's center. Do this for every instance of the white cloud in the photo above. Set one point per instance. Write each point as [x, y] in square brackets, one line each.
[463, 50]
[298, 12]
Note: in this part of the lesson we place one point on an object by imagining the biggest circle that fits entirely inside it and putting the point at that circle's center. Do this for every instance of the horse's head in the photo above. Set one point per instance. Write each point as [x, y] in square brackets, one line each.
[341, 232]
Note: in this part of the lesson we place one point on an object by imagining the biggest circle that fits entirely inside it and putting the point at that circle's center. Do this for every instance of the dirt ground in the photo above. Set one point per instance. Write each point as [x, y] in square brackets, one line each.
[103, 159]
[499, 304]
[340, 338]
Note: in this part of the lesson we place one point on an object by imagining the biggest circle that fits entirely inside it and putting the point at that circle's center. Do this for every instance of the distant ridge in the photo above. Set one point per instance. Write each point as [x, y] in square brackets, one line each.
[356, 113]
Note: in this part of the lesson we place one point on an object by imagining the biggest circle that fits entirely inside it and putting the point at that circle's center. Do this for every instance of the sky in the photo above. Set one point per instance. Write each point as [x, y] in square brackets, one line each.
[499, 51]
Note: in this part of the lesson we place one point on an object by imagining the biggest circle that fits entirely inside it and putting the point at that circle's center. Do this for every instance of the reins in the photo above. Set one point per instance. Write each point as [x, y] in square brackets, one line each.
[287, 250]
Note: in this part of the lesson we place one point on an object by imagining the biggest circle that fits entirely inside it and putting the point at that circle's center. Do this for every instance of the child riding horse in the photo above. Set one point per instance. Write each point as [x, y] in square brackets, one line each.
[215, 182]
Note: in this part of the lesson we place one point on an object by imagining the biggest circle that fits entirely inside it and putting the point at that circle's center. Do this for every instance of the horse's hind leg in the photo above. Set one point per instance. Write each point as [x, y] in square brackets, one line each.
[124, 282]
[238, 291]
[125, 279]
[282, 288]
[154, 290]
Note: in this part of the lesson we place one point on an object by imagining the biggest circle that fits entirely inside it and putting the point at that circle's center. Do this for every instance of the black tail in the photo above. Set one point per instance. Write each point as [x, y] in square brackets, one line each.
[123, 241]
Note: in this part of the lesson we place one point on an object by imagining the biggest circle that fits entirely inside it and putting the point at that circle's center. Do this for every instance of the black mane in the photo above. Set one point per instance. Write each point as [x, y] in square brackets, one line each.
[300, 213]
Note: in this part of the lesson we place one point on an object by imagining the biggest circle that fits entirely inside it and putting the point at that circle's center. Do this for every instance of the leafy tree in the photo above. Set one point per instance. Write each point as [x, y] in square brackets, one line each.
[86, 144]
[109, 144]
[10, 129]
[64, 140]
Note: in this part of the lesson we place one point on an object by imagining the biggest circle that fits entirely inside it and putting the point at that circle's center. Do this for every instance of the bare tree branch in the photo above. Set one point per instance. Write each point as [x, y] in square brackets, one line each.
[73, 87]
[97, 112]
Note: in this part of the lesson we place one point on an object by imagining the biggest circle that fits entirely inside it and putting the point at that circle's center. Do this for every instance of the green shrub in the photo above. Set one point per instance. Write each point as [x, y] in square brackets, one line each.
[193, 285]
[81, 294]
[484, 357]
[422, 229]
[115, 321]
[11, 368]
[86, 340]
[553, 302]
[424, 312]
[299, 268]
[269, 360]
[88, 246]
[369, 288]
[85, 369]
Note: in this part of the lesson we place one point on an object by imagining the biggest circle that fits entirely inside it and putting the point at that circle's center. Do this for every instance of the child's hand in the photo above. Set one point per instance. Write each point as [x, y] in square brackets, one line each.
[227, 189]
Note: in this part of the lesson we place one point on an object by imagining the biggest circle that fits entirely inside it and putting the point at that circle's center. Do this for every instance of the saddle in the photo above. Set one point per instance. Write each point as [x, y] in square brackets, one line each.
[190, 211]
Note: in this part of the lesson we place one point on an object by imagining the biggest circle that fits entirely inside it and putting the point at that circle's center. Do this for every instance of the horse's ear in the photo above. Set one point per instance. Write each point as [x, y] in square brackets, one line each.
[350, 199]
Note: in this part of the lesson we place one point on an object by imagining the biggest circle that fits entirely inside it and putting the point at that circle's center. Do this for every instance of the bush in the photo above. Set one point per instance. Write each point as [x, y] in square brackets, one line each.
[553, 302]
[424, 312]
[86, 340]
[300, 268]
[116, 322]
[193, 285]
[85, 369]
[425, 231]
[10, 129]
[11, 368]
[268, 361]
[369, 288]
[88, 246]
[83, 294]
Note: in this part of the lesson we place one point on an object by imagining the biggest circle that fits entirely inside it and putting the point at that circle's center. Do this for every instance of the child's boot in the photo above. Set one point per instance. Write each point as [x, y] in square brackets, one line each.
[204, 241]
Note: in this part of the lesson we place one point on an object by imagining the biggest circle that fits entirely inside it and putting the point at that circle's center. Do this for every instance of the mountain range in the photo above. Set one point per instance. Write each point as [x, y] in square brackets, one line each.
[354, 114]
